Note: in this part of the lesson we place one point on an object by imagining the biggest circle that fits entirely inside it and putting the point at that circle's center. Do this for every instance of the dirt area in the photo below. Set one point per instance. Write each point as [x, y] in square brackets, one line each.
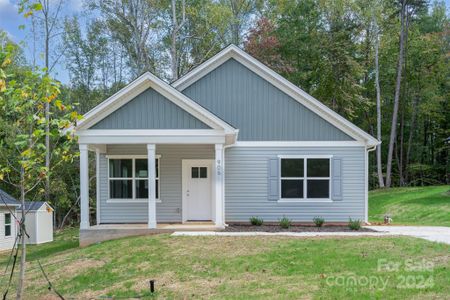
[293, 228]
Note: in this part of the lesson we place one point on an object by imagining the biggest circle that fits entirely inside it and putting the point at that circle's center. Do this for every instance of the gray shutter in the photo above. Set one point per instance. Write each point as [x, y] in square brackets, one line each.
[336, 179]
[273, 179]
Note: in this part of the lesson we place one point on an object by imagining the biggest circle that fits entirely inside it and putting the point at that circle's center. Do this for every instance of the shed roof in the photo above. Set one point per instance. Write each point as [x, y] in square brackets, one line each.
[35, 205]
[7, 200]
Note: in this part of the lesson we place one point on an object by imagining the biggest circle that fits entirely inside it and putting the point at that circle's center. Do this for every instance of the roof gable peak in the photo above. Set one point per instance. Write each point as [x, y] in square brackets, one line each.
[233, 51]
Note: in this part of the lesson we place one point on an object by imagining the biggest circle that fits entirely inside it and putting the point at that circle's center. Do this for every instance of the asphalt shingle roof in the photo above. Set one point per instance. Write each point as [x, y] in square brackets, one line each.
[33, 205]
[8, 199]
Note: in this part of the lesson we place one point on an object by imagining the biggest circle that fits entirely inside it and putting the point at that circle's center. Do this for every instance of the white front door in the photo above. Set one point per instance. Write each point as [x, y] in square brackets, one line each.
[197, 190]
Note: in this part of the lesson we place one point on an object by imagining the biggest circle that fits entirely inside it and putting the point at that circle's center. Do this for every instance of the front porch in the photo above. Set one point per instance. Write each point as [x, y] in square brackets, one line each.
[159, 186]
[104, 232]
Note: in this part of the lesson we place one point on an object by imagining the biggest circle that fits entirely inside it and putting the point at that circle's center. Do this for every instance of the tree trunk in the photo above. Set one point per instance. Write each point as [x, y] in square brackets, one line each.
[47, 105]
[396, 98]
[173, 50]
[377, 86]
[411, 134]
[400, 148]
[21, 282]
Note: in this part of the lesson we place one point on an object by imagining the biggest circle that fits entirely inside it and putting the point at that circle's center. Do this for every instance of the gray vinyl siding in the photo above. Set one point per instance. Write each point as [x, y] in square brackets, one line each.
[150, 110]
[169, 210]
[246, 185]
[259, 110]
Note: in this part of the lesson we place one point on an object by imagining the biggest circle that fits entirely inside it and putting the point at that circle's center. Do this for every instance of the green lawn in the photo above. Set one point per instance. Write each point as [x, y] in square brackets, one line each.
[411, 206]
[240, 268]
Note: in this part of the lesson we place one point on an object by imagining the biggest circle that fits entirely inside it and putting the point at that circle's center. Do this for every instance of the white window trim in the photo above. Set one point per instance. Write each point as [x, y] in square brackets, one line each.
[305, 179]
[8, 224]
[133, 179]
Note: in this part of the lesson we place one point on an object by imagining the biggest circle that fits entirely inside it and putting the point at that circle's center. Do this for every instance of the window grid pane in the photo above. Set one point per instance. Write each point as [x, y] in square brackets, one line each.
[120, 189]
[7, 230]
[291, 188]
[120, 168]
[318, 188]
[141, 168]
[291, 167]
[318, 167]
[203, 172]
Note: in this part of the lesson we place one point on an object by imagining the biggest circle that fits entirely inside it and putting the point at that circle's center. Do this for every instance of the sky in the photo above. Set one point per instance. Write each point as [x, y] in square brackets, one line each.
[10, 20]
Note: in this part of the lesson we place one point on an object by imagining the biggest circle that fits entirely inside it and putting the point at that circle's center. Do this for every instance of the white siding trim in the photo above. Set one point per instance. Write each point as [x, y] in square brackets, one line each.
[299, 144]
[169, 136]
[278, 81]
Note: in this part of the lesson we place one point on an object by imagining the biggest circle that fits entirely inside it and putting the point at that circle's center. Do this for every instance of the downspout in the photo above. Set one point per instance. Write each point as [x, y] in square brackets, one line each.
[366, 182]
[223, 174]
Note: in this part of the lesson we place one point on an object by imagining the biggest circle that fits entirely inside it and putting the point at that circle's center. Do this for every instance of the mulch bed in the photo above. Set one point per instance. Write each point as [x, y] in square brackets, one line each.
[293, 228]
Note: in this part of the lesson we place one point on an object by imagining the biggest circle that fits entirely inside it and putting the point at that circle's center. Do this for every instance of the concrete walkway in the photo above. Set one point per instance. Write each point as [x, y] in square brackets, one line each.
[292, 234]
[430, 233]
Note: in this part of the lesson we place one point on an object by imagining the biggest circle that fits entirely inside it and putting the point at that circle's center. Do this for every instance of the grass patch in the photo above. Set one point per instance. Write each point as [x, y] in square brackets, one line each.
[412, 205]
[235, 268]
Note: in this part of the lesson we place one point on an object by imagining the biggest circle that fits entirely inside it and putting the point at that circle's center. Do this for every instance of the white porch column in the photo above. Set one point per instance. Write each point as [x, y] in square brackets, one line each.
[151, 186]
[97, 185]
[218, 185]
[84, 186]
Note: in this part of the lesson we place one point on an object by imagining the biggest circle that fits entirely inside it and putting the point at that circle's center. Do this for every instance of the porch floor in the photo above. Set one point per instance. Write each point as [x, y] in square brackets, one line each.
[105, 232]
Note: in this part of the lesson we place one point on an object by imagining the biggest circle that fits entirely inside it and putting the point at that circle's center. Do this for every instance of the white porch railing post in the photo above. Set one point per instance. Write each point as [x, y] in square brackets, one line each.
[218, 188]
[151, 186]
[84, 186]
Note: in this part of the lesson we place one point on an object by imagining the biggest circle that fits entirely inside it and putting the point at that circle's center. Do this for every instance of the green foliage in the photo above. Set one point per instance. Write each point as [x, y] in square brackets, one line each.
[318, 221]
[354, 224]
[256, 221]
[22, 121]
[285, 222]
[412, 205]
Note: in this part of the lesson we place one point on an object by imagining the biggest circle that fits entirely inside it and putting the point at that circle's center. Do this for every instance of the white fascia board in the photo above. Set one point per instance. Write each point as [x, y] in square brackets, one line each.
[177, 136]
[299, 144]
[281, 83]
[138, 86]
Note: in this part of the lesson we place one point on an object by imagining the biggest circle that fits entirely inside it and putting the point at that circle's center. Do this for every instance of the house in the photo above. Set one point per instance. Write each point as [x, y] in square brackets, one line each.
[229, 140]
[8, 228]
[38, 222]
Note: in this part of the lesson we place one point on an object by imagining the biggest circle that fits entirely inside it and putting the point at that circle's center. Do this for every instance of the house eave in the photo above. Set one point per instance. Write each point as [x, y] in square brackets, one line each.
[160, 136]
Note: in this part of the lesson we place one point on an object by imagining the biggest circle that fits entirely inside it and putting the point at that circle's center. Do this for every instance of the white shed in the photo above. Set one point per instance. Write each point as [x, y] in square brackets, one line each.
[8, 206]
[38, 222]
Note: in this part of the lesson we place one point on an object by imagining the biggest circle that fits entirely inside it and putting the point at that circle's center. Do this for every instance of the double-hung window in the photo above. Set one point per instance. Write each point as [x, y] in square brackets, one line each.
[7, 224]
[305, 178]
[128, 178]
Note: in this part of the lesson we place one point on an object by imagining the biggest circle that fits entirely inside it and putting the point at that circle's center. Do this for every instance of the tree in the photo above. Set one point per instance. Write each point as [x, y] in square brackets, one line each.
[263, 44]
[241, 11]
[406, 9]
[133, 24]
[46, 13]
[23, 99]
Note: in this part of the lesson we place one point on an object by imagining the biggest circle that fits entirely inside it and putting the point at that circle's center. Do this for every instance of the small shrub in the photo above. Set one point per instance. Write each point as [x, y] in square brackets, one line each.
[285, 222]
[256, 221]
[354, 224]
[318, 221]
